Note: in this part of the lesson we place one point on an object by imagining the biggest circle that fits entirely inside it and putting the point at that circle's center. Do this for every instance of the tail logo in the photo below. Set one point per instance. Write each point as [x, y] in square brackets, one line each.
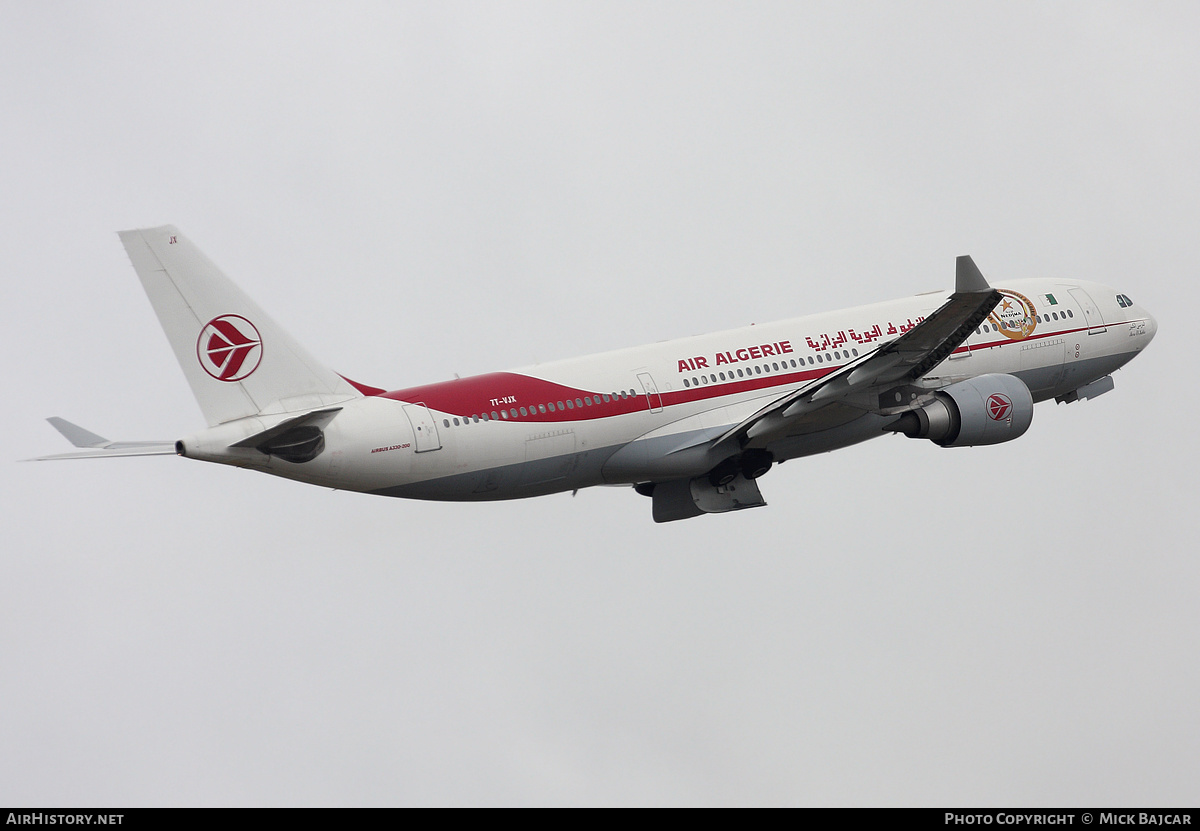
[998, 407]
[229, 348]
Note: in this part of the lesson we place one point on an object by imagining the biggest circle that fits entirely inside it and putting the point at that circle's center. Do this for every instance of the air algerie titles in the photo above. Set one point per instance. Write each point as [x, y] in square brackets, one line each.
[747, 353]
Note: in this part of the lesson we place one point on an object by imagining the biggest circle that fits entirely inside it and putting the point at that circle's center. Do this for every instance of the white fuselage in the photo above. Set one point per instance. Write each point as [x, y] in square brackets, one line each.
[649, 413]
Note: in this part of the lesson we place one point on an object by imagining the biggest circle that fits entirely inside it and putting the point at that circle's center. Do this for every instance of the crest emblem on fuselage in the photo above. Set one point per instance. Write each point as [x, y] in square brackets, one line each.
[1014, 316]
[229, 348]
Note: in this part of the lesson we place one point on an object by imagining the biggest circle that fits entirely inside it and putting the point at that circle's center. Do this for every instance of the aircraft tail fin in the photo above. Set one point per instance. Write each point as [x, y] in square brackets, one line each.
[238, 361]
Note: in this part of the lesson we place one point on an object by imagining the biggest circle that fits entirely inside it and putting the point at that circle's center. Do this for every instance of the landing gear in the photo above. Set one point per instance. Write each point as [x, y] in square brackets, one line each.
[754, 463]
[724, 473]
[751, 464]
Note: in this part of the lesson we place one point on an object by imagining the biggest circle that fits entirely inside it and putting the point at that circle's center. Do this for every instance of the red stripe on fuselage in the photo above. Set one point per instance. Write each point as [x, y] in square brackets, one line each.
[506, 391]
[496, 391]
[1041, 336]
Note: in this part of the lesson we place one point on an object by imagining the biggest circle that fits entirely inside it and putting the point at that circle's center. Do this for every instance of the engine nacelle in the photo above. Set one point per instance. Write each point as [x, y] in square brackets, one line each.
[986, 410]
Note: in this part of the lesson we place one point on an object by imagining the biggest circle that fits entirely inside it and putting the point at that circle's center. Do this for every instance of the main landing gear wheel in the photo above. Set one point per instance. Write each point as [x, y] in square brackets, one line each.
[754, 463]
[724, 473]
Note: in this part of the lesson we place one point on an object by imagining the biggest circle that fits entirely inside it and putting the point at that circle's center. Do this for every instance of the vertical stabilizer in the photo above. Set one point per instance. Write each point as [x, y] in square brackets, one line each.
[237, 359]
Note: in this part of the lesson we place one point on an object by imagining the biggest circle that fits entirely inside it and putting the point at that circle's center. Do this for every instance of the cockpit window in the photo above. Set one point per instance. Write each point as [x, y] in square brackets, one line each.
[1123, 301]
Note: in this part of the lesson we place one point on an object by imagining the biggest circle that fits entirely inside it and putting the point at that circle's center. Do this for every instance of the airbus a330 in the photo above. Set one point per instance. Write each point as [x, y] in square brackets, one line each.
[693, 424]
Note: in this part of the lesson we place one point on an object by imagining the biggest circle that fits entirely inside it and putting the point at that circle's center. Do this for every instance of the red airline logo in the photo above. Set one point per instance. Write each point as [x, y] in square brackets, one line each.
[998, 407]
[229, 348]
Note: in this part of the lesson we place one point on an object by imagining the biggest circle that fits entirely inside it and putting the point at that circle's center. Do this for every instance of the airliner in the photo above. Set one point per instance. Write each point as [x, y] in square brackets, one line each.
[692, 424]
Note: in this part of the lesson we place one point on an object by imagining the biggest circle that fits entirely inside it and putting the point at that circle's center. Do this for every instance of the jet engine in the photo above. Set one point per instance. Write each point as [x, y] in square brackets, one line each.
[988, 409]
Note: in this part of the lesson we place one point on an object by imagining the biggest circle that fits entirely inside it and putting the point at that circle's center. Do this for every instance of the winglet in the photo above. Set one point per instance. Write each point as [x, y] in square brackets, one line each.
[967, 277]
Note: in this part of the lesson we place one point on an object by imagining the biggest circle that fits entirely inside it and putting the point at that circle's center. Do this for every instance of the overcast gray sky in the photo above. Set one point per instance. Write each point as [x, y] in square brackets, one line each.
[417, 190]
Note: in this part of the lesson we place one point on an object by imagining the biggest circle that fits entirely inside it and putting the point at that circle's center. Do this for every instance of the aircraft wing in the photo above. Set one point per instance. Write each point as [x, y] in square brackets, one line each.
[899, 361]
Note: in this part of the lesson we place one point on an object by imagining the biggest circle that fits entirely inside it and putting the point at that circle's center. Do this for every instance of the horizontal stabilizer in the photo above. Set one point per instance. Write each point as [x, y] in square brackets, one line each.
[144, 448]
[98, 447]
[76, 435]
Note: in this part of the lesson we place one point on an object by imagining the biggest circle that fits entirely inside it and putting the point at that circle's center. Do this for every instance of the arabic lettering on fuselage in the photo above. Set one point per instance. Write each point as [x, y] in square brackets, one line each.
[832, 340]
[817, 343]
